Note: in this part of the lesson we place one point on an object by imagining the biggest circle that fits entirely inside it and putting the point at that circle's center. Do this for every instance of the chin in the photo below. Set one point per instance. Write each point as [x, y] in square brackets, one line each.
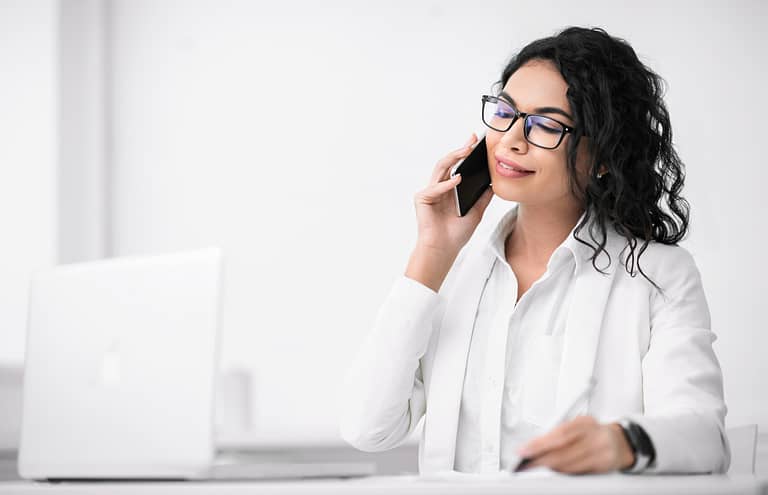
[507, 193]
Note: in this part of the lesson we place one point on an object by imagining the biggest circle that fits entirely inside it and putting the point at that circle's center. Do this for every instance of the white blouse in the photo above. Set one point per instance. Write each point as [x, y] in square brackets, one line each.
[498, 412]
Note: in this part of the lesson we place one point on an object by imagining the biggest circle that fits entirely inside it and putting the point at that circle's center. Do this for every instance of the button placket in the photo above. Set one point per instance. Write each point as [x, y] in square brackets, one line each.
[494, 384]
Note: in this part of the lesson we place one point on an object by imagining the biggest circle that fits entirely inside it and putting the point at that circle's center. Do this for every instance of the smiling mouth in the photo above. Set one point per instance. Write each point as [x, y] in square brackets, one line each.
[515, 169]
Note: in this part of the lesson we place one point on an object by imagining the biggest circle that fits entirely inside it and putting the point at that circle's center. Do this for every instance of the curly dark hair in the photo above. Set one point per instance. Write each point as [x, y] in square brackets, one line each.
[618, 104]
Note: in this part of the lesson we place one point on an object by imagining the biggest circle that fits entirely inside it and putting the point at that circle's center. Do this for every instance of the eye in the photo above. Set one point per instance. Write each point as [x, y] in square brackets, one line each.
[504, 111]
[548, 129]
[547, 125]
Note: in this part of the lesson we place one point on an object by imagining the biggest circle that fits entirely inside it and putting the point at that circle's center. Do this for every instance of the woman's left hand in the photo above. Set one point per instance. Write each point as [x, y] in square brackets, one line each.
[581, 445]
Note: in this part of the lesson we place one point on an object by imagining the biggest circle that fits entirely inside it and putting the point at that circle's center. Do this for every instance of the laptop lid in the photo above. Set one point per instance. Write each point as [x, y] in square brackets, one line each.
[120, 366]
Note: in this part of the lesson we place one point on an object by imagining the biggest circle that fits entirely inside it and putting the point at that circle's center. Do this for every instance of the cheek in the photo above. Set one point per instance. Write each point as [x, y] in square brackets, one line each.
[491, 140]
[555, 164]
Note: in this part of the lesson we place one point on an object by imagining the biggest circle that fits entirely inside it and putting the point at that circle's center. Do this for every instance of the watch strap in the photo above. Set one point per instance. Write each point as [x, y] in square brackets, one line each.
[641, 446]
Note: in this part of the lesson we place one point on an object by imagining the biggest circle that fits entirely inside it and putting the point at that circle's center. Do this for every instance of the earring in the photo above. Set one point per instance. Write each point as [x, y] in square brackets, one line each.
[600, 175]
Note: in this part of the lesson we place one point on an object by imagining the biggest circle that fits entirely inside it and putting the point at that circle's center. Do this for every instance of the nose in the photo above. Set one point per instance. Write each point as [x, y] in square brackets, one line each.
[514, 138]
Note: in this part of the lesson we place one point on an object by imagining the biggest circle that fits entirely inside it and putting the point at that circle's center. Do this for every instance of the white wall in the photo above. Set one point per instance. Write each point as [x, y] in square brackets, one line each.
[717, 102]
[28, 133]
[315, 212]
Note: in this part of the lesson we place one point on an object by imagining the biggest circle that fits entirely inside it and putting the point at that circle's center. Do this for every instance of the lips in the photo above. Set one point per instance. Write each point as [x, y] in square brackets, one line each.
[510, 165]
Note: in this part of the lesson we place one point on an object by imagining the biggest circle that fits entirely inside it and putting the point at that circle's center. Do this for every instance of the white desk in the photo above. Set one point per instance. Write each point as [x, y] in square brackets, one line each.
[406, 485]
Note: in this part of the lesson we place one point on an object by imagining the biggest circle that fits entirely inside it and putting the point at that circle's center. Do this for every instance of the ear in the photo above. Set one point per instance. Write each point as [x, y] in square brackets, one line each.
[602, 171]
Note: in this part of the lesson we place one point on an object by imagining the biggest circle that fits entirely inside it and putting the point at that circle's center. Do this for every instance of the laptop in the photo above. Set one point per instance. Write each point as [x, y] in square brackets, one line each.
[120, 373]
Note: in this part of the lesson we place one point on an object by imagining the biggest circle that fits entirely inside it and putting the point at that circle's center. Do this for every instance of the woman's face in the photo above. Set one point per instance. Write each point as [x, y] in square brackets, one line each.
[538, 88]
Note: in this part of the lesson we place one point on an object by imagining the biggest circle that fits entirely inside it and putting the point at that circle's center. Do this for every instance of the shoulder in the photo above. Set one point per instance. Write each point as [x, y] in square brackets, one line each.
[670, 266]
[666, 260]
[656, 259]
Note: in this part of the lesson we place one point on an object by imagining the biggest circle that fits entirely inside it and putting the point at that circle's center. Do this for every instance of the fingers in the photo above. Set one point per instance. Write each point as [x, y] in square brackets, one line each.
[443, 167]
[558, 437]
[434, 193]
[557, 450]
[589, 454]
[574, 458]
[578, 446]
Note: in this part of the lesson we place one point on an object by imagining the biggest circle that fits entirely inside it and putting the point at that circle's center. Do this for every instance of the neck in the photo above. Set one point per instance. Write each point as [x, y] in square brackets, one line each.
[539, 230]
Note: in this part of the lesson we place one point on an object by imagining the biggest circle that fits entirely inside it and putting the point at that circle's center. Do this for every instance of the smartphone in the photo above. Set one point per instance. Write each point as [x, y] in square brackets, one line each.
[475, 178]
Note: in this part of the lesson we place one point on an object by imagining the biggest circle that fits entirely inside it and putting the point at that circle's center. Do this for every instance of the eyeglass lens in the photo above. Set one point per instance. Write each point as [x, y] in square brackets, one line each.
[539, 130]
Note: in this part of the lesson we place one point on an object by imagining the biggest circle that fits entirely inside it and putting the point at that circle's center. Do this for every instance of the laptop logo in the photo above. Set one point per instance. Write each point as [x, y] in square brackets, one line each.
[111, 366]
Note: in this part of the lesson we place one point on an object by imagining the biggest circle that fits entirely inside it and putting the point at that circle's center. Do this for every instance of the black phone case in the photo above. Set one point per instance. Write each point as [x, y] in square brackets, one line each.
[475, 178]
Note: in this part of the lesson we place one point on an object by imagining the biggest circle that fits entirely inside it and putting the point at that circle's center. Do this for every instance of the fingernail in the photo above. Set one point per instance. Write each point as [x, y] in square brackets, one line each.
[469, 141]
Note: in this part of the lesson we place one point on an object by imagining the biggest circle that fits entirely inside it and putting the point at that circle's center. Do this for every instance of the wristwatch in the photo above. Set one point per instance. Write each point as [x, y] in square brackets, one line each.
[640, 444]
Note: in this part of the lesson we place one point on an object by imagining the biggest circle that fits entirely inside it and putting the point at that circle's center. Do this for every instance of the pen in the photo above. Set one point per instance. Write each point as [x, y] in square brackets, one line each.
[562, 418]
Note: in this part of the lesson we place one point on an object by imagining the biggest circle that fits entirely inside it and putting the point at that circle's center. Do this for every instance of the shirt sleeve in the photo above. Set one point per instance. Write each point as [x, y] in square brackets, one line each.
[384, 391]
[682, 381]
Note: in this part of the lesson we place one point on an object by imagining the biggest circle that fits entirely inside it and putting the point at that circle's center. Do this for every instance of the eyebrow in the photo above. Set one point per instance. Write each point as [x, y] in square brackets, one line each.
[556, 110]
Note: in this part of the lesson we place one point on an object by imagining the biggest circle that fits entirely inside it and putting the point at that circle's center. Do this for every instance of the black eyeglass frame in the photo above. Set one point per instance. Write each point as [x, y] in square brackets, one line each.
[518, 114]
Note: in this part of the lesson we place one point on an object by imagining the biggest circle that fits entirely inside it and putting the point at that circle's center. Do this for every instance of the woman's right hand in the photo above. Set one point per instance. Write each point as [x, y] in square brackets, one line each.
[441, 232]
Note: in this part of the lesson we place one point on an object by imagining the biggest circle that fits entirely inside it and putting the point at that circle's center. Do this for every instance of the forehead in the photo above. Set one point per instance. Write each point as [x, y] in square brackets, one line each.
[538, 84]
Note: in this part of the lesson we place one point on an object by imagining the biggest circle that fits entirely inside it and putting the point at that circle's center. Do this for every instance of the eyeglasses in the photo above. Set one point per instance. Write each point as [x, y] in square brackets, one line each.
[541, 131]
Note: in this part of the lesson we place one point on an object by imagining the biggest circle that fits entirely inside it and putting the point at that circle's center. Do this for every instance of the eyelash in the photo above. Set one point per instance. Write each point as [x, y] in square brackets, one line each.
[546, 128]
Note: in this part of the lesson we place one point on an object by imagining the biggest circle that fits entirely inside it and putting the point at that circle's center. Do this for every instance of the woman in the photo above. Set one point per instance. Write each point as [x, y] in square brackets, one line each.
[494, 342]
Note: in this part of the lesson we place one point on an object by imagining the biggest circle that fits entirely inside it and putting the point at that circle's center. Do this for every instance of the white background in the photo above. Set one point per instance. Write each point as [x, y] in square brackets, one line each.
[294, 135]
[28, 158]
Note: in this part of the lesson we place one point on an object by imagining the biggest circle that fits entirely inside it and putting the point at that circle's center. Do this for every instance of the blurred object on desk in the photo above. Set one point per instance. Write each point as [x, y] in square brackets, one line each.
[743, 442]
[10, 406]
[234, 404]
[11, 382]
